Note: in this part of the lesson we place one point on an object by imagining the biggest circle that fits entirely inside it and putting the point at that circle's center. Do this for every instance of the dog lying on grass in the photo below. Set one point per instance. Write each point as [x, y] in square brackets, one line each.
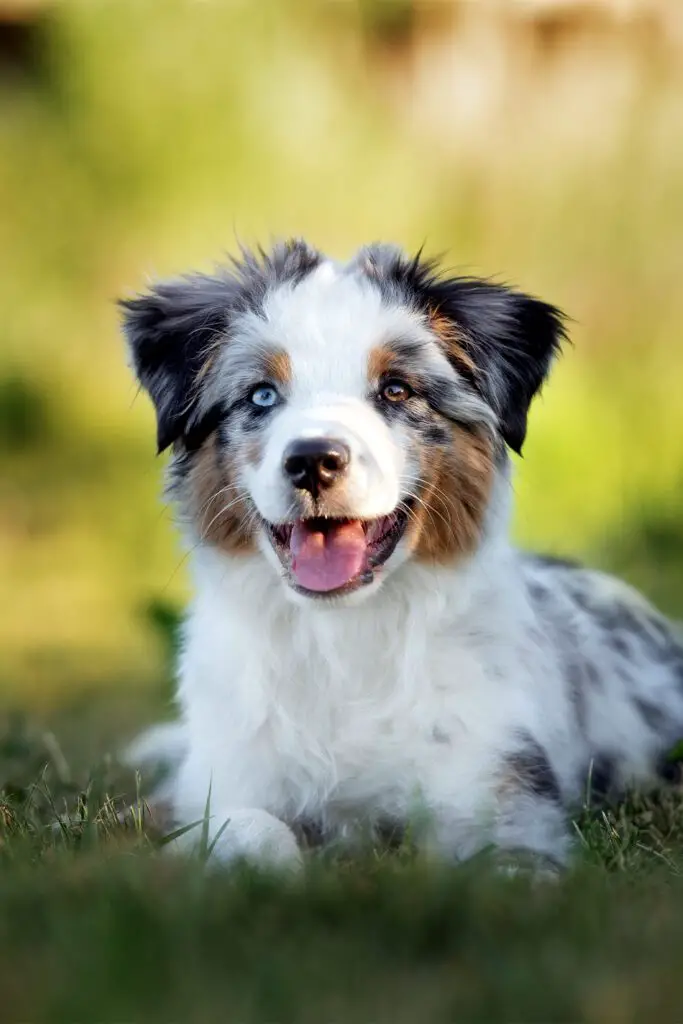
[365, 648]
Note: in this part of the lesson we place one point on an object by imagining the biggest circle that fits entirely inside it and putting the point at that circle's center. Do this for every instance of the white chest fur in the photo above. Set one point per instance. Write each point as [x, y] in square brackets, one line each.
[366, 712]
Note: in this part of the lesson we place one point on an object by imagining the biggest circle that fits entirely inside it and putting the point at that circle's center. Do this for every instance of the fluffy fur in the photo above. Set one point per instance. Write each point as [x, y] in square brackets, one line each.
[445, 679]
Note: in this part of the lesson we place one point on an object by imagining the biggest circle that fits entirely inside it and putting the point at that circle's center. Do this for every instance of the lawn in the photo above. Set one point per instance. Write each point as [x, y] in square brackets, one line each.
[98, 922]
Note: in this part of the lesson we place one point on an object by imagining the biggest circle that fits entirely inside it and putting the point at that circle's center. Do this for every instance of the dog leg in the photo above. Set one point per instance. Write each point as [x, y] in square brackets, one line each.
[247, 834]
[525, 834]
[525, 819]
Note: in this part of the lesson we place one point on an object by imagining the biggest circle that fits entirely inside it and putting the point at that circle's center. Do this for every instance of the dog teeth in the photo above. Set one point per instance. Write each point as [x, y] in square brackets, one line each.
[377, 530]
[380, 528]
[371, 531]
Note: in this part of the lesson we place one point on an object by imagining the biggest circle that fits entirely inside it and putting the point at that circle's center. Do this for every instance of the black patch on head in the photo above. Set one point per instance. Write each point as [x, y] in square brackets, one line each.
[258, 271]
[531, 769]
[171, 331]
[510, 337]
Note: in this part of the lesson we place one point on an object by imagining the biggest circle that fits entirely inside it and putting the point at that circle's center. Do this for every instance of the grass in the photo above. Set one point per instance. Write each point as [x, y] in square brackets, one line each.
[119, 939]
[98, 923]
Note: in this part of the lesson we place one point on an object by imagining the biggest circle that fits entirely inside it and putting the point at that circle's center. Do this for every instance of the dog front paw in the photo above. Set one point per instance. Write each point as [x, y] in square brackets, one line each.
[254, 836]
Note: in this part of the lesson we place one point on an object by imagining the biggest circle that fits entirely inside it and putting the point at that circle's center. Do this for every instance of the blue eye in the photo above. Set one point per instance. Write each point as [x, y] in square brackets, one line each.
[265, 396]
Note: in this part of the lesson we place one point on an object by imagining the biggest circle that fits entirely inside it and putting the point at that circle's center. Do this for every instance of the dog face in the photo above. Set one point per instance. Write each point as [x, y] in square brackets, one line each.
[338, 418]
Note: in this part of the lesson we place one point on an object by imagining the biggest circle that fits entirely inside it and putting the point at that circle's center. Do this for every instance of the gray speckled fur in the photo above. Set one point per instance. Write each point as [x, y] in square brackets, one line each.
[623, 666]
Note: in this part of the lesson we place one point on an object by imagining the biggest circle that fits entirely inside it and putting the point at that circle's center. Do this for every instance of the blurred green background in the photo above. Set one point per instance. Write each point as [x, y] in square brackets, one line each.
[541, 143]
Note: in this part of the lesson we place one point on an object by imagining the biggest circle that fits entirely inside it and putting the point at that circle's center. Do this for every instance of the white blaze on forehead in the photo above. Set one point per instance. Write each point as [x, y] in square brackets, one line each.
[326, 272]
[328, 324]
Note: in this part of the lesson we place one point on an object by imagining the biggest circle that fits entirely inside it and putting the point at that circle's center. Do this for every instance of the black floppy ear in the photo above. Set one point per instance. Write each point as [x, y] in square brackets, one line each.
[511, 339]
[170, 331]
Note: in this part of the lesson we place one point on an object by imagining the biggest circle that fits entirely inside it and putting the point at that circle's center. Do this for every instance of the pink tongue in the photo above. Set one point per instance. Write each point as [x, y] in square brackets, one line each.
[327, 560]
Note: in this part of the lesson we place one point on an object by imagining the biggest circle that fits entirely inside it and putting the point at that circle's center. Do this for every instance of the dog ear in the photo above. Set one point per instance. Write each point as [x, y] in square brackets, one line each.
[170, 332]
[510, 339]
[501, 340]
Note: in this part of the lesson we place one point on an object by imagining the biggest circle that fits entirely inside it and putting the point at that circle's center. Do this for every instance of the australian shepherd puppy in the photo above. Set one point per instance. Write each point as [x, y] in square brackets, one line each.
[365, 648]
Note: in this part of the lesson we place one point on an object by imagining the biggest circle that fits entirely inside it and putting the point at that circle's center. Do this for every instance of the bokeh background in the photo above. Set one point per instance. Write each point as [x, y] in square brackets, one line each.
[538, 142]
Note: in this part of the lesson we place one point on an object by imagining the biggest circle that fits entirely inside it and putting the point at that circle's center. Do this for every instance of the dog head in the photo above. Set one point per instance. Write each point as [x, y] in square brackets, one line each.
[338, 418]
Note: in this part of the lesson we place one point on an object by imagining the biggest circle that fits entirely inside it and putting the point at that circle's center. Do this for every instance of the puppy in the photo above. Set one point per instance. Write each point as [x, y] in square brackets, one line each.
[365, 648]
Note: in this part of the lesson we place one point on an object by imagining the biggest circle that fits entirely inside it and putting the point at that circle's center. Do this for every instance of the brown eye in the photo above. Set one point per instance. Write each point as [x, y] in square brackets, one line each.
[396, 391]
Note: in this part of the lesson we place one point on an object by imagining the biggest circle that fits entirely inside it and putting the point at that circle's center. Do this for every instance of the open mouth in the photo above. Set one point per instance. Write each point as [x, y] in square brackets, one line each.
[335, 556]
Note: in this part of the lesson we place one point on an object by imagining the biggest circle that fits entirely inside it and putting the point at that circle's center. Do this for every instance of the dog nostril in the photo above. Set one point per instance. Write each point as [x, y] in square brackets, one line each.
[331, 463]
[315, 463]
[294, 466]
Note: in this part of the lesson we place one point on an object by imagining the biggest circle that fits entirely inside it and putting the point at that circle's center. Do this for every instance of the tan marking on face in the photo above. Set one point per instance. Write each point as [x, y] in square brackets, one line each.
[215, 503]
[451, 340]
[448, 520]
[277, 367]
[381, 362]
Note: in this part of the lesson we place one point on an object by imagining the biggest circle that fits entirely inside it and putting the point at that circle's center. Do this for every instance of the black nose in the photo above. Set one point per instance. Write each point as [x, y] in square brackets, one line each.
[314, 463]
